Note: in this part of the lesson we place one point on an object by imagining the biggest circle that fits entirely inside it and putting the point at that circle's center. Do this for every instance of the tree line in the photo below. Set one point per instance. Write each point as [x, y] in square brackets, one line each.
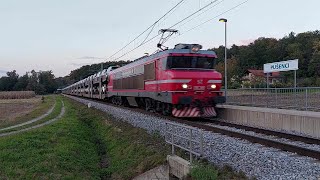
[42, 82]
[85, 71]
[303, 46]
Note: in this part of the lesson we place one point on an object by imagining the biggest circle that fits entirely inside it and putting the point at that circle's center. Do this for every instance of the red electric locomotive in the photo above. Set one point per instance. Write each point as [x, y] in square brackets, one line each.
[181, 82]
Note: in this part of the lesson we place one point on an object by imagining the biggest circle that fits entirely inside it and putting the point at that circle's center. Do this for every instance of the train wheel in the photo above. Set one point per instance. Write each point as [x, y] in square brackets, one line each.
[150, 105]
[140, 102]
[125, 102]
[159, 106]
[119, 101]
[166, 109]
[113, 100]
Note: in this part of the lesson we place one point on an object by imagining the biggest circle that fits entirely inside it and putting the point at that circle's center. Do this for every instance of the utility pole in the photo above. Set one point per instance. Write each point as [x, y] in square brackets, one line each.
[225, 56]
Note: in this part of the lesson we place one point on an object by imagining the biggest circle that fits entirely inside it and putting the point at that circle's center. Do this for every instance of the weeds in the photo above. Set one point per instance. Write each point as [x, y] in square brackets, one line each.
[204, 171]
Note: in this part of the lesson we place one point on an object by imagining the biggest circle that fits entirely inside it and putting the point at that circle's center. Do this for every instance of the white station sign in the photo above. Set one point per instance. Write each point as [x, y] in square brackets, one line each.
[281, 66]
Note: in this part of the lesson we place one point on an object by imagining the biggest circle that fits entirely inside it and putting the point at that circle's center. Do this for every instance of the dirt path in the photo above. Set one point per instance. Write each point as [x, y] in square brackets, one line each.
[32, 120]
[38, 125]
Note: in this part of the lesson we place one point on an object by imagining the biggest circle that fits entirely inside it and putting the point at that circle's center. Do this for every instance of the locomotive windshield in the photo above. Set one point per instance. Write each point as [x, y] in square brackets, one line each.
[190, 62]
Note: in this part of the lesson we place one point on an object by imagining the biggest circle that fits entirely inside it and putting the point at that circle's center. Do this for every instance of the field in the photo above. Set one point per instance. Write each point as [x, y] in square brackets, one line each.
[13, 111]
[88, 144]
[17, 94]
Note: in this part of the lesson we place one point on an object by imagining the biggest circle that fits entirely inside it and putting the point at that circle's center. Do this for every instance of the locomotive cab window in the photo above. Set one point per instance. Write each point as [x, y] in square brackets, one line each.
[190, 62]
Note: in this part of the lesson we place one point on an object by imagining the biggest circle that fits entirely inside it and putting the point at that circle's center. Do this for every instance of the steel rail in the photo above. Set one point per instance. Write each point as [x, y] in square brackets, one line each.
[254, 139]
[294, 137]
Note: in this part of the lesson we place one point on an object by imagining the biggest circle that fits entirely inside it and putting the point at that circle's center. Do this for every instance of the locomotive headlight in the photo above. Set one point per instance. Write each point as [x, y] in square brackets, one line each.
[213, 86]
[184, 86]
[195, 49]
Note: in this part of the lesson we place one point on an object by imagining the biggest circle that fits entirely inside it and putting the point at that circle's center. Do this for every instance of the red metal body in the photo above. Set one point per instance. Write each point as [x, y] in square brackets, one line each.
[149, 82]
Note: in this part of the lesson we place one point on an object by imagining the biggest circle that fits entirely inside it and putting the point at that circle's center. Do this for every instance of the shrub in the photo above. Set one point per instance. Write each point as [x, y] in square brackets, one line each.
[204, 171]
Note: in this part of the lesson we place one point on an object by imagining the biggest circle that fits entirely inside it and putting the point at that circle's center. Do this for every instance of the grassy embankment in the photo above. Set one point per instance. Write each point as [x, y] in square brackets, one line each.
[86, 144]
[40, 108]
[75, 147]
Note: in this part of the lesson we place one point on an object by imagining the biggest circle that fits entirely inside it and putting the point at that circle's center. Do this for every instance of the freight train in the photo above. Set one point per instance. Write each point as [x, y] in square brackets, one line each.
[181, 82]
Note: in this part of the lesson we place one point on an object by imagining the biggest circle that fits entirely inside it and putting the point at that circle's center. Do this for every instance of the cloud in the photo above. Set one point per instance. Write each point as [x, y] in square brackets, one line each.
[3, 71]
[90, 57]
[79, 64]
[246, 42]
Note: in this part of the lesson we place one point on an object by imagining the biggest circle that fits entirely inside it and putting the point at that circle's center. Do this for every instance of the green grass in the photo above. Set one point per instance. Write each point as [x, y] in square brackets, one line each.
[63, 150]
[83, 144]
[206, 171]
[130, 151]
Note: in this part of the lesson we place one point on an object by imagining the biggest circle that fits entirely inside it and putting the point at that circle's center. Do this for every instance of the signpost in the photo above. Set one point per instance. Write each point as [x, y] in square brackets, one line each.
[282, 66]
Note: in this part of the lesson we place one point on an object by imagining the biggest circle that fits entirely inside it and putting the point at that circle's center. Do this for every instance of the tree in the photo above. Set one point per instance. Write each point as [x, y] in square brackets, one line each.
[22, 83]
[34, 83]
[304, 46]
[232, 70]
[314, 68]
[46, 80]
[7, 83]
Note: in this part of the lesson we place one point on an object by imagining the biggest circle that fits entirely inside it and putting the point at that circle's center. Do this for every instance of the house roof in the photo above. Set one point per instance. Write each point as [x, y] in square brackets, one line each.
[260, 73]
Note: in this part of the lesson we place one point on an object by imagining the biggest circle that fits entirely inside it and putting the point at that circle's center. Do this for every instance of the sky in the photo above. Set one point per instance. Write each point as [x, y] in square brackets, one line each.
[61, 35]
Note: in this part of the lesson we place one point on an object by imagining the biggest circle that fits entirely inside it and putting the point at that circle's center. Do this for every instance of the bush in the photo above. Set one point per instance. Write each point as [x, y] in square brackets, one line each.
[307, 82]
[204, 171]
[278, 85]
[246, 84]
[235, 85]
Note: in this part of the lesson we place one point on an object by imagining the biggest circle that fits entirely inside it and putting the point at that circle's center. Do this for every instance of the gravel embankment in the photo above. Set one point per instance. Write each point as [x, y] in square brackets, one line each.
[253, 159]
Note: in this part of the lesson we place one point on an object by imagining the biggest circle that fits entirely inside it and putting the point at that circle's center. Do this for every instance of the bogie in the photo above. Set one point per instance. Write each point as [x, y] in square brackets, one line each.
[179, 82]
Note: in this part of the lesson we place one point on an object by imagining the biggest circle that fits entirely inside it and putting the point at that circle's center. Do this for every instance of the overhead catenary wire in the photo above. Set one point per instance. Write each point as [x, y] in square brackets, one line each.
[201, 9]
[234, 7]
[148, 34]
[202, 13]
[189, 16]
[152, 26]
[137, 47]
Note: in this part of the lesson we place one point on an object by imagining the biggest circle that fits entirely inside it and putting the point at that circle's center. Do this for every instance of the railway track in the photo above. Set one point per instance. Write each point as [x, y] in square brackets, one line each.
[213, 126]
[261, 140]
[304, 139]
